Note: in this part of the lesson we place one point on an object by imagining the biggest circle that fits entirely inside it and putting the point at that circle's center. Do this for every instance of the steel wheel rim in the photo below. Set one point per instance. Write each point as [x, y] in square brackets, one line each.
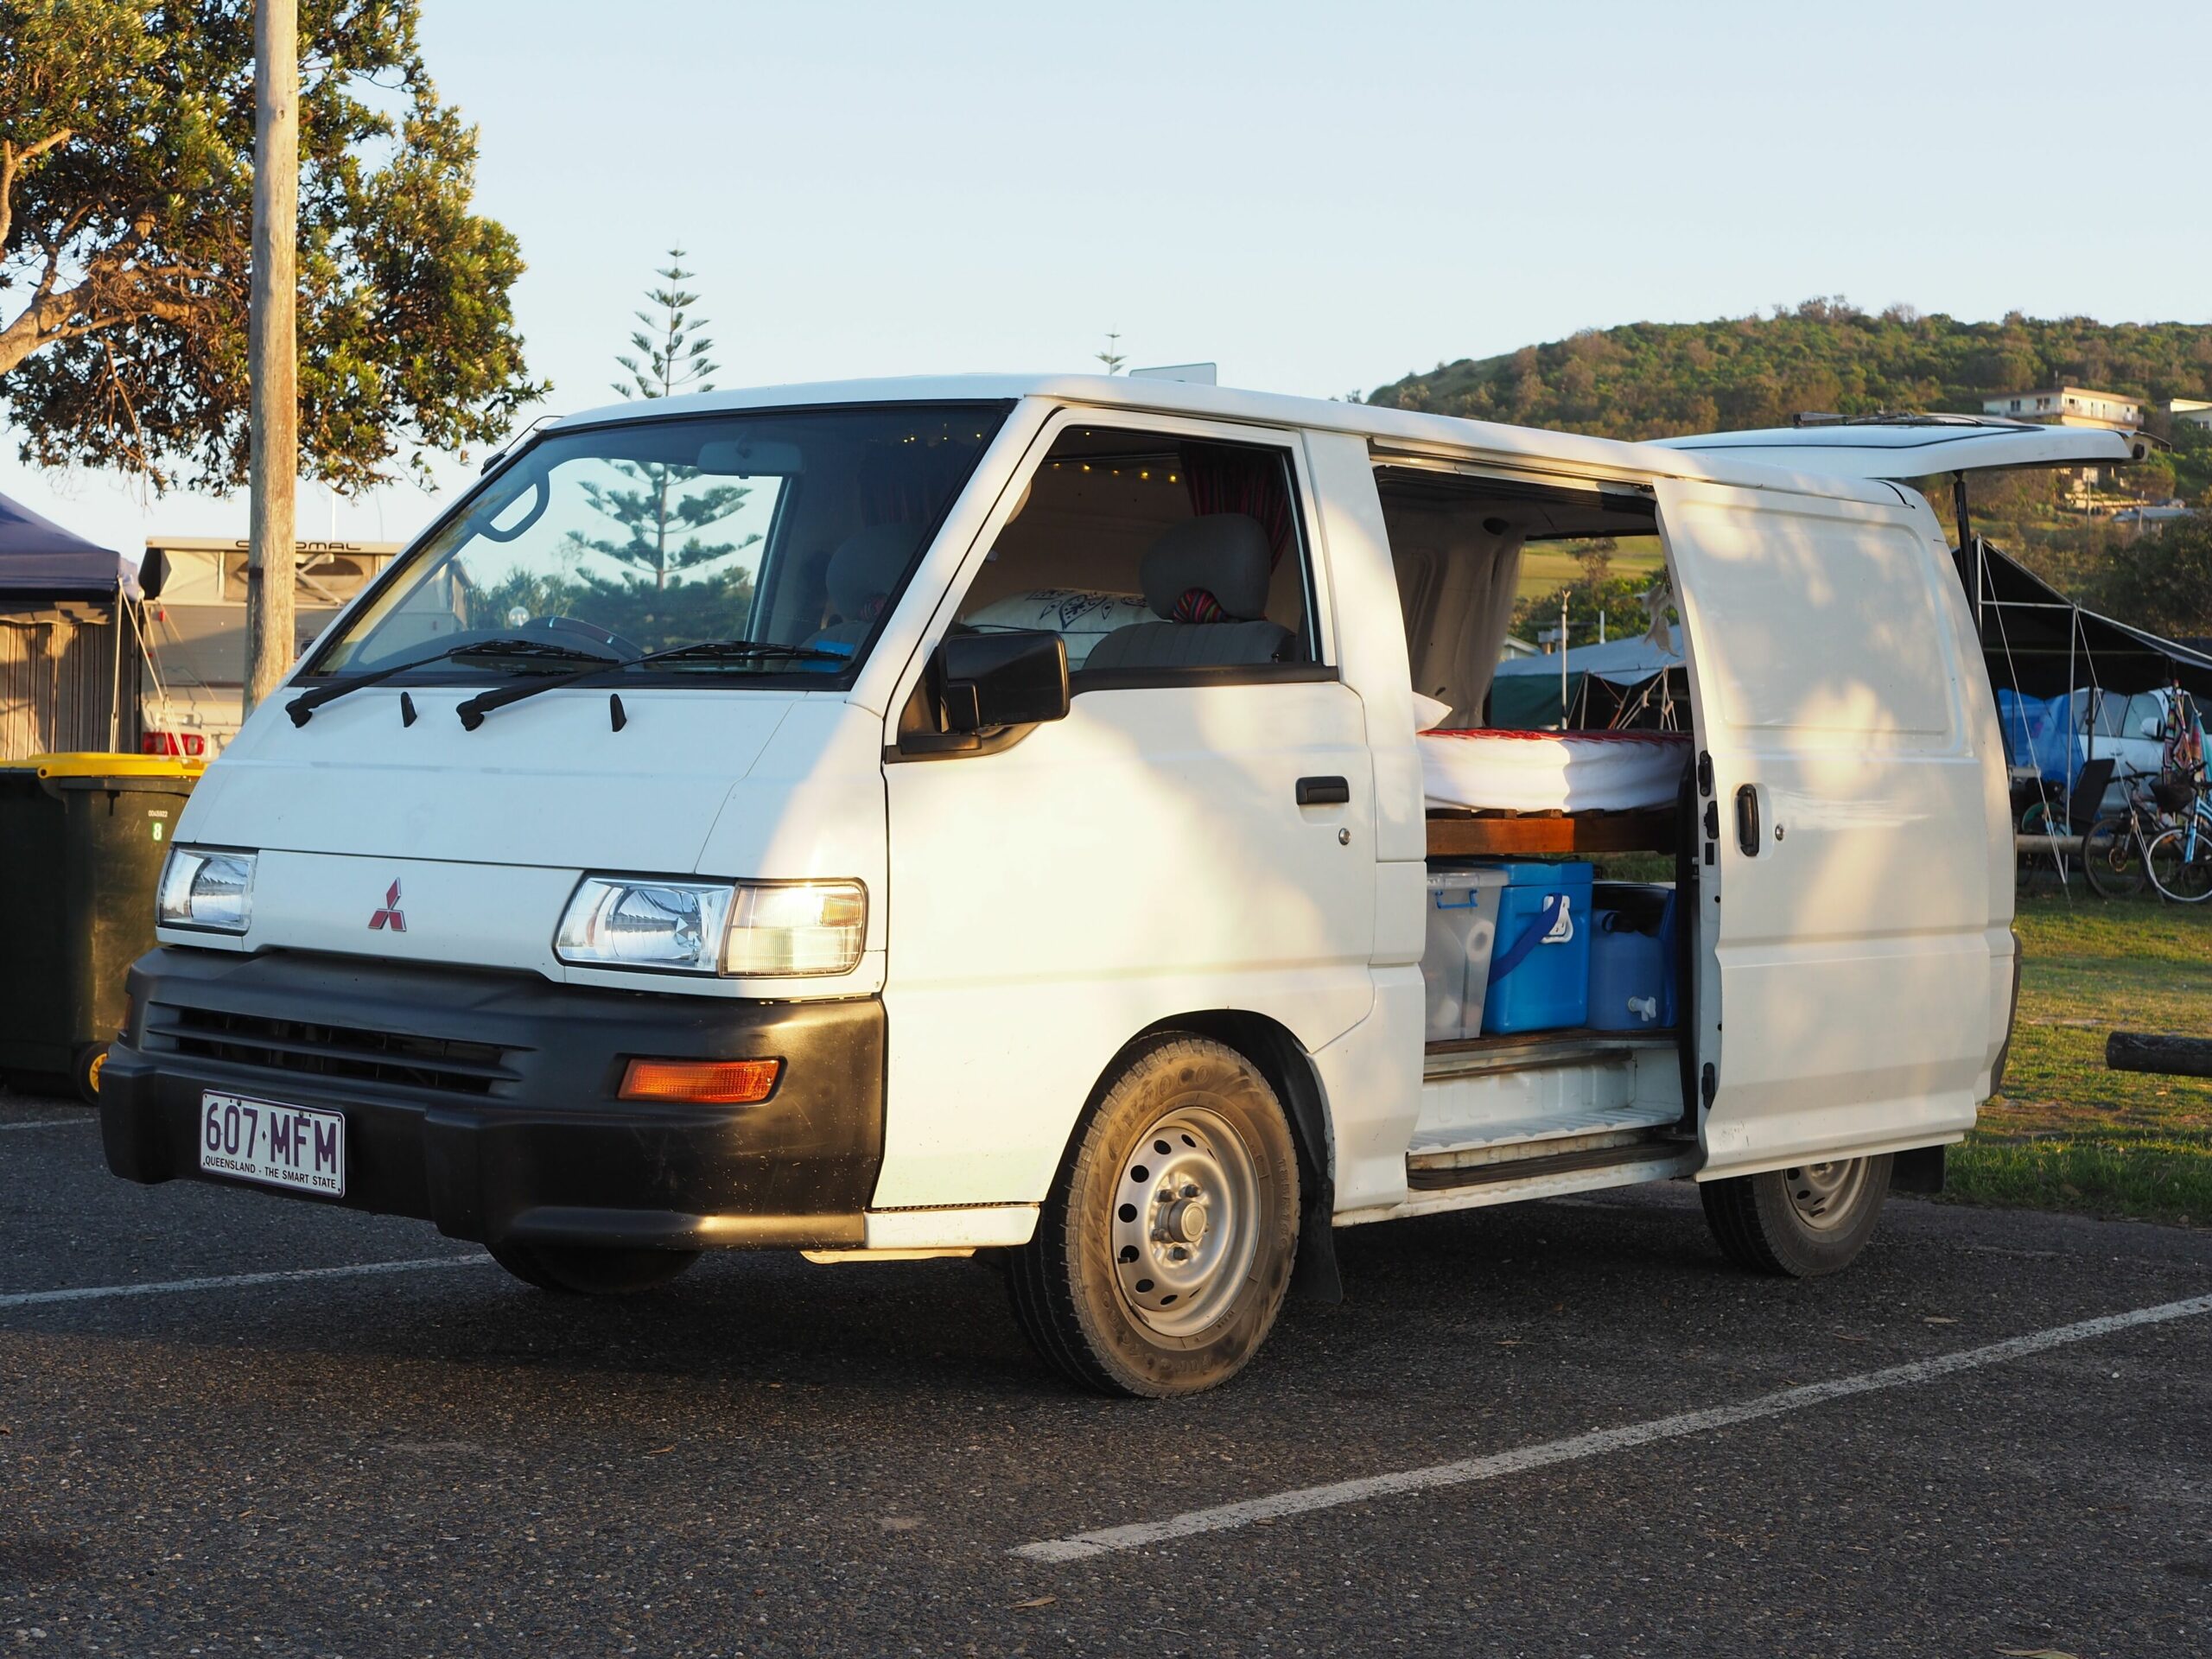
[1826, 1196]
[2186, 881]
[1186, 1221]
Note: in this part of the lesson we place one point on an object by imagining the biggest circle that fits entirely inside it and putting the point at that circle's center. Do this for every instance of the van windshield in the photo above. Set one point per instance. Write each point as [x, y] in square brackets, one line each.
[790, 533]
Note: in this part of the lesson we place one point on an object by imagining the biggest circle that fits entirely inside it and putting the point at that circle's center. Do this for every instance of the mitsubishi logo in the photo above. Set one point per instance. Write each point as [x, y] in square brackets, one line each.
[390, 916]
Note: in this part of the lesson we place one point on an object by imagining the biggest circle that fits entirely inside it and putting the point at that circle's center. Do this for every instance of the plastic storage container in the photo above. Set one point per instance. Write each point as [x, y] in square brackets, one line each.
[1539, 971]
[1632, 958]
[82, 839]
[1455, 962]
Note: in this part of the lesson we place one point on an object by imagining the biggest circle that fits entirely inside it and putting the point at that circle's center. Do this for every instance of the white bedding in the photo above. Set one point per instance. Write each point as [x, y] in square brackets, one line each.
[1552, 772]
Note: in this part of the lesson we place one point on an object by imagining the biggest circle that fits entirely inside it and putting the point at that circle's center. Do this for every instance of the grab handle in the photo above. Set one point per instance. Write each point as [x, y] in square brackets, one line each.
[1747, 820]
[1546, 919]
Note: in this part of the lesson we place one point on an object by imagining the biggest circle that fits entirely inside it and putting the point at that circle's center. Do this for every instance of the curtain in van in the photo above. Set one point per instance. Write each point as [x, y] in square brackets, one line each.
[1223, 479]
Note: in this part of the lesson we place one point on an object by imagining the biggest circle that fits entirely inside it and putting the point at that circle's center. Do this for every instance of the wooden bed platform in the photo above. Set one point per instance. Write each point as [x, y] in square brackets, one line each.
[1494, 834]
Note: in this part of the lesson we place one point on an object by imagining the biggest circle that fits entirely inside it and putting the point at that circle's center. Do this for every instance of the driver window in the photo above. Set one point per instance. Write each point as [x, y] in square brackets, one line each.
[1157, 558]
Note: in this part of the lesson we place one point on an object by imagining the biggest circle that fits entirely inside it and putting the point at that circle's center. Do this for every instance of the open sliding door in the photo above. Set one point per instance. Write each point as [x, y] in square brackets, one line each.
[1848, 950]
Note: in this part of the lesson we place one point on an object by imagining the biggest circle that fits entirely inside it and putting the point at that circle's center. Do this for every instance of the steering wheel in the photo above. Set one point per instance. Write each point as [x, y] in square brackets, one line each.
[630, 650]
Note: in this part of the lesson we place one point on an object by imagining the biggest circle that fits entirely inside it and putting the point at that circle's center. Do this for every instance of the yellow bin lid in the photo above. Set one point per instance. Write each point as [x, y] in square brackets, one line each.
[110, 765]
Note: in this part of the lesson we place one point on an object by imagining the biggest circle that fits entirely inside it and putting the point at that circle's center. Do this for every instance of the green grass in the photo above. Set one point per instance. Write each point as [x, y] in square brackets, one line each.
[1546, 570]
[2066, 1134]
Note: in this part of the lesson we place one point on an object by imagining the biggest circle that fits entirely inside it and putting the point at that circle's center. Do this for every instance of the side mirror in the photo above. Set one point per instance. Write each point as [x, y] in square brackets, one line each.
[981, 681]
[153, 573]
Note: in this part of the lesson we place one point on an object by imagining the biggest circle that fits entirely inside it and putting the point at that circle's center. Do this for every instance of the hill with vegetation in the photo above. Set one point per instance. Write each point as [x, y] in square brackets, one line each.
[1657, 379]
[1652, 380]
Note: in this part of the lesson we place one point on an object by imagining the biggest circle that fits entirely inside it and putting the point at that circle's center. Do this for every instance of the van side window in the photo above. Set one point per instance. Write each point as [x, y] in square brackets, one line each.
[1157, 558]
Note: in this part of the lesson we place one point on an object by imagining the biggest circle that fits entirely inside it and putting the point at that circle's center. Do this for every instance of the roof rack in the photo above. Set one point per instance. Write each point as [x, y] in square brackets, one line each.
[1903, 417]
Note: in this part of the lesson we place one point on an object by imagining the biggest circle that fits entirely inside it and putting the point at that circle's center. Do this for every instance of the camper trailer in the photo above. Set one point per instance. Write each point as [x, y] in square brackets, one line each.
[193, 701]
[993, 817]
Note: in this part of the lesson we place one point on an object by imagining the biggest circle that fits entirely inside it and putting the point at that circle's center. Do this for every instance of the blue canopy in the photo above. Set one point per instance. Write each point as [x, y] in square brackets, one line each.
[38, 556]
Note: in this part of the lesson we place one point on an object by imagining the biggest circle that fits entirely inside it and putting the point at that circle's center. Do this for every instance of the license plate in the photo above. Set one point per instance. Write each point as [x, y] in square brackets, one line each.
[283, 1146]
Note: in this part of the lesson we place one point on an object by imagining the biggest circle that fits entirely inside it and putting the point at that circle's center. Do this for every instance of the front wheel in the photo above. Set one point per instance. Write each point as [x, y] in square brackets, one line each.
[591, 1269]
[2111, 856]
[2181, 864]
[1802, 1222]
[1162, 1255]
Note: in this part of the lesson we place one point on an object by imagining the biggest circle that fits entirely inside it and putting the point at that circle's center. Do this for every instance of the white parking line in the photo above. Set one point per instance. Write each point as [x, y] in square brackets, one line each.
[48, 1123]
[229, 1281]
[1083, 1545]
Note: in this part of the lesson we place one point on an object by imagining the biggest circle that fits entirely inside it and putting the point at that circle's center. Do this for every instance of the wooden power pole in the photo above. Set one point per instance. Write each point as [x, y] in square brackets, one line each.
[272, 347]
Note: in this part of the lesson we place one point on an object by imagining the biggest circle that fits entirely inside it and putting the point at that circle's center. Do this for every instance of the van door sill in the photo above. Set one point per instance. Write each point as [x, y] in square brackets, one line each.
[1528, 1051]
[1535, 1161]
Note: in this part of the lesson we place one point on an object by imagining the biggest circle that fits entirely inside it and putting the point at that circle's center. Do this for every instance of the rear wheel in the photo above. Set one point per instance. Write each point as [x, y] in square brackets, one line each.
[1803, 1221]
[1162, 1255]
[2181, 864]
[591, 1269]
[2111, 856]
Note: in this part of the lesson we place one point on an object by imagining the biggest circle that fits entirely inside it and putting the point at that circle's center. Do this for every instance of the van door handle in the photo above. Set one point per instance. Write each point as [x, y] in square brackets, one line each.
[1324, 791]
[1747, 820]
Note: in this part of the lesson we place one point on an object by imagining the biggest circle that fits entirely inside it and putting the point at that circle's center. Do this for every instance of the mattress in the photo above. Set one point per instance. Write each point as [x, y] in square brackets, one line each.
[1553, 772]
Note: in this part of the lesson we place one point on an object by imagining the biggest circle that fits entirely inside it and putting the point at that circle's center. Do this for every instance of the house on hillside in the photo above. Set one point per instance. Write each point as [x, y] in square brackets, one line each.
[2068, 406]
[2195, 410]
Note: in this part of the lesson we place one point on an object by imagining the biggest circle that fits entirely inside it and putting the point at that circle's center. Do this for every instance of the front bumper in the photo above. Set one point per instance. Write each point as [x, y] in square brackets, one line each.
[486, 1102]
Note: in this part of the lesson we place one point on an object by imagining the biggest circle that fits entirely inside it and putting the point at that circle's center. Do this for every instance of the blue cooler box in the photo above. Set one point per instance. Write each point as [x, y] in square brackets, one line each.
[1540, 964]
[1632, 958]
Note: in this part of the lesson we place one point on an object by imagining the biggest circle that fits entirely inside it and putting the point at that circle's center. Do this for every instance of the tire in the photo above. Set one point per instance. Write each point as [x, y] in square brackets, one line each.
[2183, 879]
[1162, 1255]
[2111, 856]
[591, 1269]
[84, 1072]
[1802, 1222]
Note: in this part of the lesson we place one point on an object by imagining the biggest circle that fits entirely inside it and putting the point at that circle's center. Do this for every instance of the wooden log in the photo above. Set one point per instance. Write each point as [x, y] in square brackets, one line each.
[2157, 1052]
[1500, 835]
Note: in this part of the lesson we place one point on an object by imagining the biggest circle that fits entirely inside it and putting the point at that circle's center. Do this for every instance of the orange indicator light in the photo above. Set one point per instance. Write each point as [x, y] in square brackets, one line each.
[701, 1083]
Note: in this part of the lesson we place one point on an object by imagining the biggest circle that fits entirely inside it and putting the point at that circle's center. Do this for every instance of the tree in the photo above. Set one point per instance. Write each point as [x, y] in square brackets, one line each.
[676, 361]
[1618, 601]
[126, 147]
[2163, 582]
[662, 506]
[1111, 357]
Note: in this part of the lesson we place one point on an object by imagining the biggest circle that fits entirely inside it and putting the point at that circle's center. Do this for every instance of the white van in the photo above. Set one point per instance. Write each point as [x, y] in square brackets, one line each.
[730, 826]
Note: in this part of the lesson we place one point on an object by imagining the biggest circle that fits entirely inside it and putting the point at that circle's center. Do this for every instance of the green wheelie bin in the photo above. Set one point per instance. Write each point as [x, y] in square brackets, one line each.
[82, 838]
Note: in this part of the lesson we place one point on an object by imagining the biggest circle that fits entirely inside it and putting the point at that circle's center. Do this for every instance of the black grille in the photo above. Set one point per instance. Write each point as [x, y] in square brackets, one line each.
[308, 1049]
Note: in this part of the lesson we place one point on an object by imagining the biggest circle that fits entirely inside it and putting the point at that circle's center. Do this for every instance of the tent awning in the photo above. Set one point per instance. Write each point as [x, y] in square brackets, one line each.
[39, 559]
[2037, 640]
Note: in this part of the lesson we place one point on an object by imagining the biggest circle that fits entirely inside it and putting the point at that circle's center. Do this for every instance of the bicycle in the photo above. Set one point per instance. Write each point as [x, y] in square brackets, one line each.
[2179, 860]
[2116, 849]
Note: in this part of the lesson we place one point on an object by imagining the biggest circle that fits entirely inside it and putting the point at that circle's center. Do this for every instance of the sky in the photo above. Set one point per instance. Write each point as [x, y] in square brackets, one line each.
[1320, 198]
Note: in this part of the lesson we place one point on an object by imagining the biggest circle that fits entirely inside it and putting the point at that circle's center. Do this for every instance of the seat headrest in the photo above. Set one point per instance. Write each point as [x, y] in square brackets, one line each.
[867, 566]
[1224, 554]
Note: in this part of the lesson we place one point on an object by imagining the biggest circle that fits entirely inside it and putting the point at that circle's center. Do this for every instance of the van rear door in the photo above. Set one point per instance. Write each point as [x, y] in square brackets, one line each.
[1919, 446]
[1850, 932]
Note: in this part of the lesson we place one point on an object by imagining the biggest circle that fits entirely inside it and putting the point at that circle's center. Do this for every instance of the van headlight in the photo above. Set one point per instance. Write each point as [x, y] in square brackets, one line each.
[208, 890]
[762, 930]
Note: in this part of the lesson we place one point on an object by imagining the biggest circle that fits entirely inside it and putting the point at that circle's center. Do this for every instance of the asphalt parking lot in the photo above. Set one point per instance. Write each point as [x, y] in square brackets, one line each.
[1565, 1428]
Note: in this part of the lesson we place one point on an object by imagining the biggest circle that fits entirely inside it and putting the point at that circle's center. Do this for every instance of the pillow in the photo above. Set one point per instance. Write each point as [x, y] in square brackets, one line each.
[1079, 616]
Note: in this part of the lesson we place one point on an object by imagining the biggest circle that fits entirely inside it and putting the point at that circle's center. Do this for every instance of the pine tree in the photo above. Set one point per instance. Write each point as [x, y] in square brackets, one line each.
[659, 520]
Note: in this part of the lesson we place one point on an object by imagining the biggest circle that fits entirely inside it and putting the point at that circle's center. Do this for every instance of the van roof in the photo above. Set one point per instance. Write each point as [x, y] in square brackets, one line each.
[1399, 431]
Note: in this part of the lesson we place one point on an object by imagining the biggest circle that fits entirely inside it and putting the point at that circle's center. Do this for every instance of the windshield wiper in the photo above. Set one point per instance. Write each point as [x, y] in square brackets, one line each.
[472, 712]
[302, 708]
